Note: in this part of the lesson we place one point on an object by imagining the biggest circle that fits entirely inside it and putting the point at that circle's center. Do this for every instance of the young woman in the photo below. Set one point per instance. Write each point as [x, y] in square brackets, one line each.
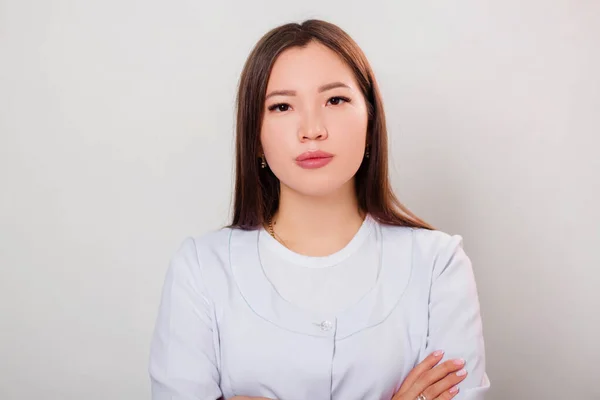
[324, 286]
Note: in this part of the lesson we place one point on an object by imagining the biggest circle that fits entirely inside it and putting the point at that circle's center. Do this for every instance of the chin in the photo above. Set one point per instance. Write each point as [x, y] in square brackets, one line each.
[317, 191]
[319, 187]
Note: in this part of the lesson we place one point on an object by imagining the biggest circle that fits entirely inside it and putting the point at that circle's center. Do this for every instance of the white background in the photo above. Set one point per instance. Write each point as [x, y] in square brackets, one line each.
[116, 123]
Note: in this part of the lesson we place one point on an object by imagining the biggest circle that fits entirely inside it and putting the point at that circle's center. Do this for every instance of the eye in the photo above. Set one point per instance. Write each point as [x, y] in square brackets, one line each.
[280, 107]
[337, 100]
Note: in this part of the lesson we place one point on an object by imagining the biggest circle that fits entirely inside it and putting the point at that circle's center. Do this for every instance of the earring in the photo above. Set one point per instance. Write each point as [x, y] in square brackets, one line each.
[263, 163]
[367, 152]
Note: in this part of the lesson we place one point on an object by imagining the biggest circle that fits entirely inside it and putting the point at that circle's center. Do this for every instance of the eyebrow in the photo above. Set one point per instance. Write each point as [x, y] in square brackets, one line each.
[323, 88]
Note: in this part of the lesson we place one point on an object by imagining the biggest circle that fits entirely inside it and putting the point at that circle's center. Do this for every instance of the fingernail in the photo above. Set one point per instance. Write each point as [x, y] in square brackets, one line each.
[454, 389]
[462, 372]
[438, 353]
[459, 361]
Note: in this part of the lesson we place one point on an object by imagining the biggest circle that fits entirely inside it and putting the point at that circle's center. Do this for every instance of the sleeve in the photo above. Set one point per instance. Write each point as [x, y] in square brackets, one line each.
[455, 320]
[183, 363]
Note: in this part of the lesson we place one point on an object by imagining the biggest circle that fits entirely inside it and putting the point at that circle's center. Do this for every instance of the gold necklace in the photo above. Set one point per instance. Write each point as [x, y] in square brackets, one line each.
[271, 231]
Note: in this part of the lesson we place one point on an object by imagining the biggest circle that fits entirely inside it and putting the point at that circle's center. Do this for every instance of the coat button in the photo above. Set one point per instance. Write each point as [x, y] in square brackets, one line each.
[326, 325]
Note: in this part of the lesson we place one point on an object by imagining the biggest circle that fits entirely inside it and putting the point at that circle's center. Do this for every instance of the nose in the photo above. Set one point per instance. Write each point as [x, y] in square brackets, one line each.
[312, 128]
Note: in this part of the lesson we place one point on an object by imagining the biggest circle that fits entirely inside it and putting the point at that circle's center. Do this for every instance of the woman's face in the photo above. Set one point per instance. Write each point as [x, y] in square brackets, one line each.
[315, 122]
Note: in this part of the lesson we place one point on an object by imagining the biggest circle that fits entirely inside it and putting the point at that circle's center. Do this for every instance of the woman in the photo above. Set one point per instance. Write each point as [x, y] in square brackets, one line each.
[324, 286]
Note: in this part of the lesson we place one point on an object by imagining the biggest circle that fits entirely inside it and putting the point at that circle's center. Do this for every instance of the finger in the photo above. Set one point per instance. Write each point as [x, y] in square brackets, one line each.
[428, 363]
[434, 375]
[449, 394]
[445, 368]
[441, 389]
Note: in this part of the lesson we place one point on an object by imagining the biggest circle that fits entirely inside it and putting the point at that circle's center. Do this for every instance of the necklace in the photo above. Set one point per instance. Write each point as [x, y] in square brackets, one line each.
[271, 231]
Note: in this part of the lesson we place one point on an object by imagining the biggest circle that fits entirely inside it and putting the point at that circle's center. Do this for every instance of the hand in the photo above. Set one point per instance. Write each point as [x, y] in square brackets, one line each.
[437, 383]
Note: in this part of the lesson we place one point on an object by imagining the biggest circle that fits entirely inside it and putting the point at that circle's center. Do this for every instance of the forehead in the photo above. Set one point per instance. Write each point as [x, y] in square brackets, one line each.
[306, 67]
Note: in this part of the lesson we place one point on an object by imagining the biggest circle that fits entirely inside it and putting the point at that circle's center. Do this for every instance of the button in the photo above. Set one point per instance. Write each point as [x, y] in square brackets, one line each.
[326, 325]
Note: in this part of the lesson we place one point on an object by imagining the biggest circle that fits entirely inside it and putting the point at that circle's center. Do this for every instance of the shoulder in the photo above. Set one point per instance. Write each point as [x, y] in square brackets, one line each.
[203, 261]
[202, 245]
[424, 241]
[431, 250]
[199, 252]
[212, 242]
[436, 242]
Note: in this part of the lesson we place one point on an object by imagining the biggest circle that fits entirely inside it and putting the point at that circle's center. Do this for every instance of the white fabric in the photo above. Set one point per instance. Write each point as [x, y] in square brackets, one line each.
[327, 284]
[223, 330]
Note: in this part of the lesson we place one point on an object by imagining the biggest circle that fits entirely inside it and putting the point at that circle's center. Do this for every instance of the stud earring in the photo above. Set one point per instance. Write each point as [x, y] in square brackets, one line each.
[263, 163]
[367, 154]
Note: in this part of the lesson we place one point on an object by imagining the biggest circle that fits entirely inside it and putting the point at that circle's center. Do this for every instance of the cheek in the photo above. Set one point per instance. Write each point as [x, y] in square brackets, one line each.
[349, 157]
[278, 140]
[349, 136]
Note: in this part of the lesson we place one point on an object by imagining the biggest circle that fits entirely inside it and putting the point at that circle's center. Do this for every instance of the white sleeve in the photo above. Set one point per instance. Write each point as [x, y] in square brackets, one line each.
[182, 356]
[455, 319]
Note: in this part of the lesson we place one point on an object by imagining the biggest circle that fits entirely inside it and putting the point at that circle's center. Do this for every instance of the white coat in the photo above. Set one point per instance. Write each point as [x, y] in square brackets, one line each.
[223, 330]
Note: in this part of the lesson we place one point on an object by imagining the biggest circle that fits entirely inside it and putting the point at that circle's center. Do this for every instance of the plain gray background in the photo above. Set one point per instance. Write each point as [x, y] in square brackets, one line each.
[116, 122]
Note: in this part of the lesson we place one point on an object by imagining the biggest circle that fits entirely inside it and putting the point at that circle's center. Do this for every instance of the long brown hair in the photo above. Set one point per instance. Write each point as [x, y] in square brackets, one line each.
[256, 196]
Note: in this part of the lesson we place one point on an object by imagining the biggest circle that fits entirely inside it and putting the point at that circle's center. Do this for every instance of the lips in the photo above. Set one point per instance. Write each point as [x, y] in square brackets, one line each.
[313, 159]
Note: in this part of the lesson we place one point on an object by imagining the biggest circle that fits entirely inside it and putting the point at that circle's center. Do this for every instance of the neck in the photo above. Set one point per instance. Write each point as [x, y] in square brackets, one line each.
[317, 225]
